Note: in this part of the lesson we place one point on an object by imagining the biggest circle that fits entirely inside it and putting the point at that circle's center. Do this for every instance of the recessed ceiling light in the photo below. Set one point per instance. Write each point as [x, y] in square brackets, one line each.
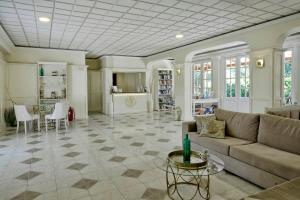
[179, 36]
[44, 19]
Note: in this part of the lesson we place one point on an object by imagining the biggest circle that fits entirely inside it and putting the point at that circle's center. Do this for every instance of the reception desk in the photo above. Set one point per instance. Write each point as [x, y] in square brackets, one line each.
[129, 102]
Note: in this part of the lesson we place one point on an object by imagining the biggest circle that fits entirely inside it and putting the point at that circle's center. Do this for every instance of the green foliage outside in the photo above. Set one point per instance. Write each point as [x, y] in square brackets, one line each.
[244, 90]
[287, 80]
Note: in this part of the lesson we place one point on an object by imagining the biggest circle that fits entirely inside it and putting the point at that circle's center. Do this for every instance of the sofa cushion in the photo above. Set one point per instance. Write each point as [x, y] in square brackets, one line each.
[214, 129]
[281, 133]
[275, 161]
[219, 145]
[239, 125]
[202, 121]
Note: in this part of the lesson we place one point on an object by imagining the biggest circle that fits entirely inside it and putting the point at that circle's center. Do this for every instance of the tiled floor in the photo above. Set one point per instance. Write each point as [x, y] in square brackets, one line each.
[100, 158]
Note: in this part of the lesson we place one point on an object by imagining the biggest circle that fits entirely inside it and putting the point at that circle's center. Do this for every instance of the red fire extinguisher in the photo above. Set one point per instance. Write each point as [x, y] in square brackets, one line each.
[71, 114]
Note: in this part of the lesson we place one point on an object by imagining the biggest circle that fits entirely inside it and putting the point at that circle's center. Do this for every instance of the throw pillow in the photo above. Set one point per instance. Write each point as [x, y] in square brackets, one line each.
[201, 121]
[214, 129]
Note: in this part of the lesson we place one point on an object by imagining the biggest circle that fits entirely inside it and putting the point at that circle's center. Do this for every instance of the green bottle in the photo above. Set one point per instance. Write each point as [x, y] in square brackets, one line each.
[186, 149]
[41, 71]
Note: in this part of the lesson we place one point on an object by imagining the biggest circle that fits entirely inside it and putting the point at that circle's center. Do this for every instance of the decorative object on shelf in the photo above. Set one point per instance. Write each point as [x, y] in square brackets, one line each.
[55, 73]
[114, 89]
[260, 63]
[186, 148]
[42, 71]
[178, 113]
[204, 106]
[53, 95]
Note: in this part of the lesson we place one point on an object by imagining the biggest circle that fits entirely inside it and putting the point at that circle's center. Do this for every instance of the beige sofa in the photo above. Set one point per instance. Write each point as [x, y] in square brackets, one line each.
[261, 148]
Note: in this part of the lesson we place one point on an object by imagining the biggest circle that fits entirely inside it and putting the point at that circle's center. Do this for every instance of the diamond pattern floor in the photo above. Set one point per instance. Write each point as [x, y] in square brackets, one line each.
[99, 158]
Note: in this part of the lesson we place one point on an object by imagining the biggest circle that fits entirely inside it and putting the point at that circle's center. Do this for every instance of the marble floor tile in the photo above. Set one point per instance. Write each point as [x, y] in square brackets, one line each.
[84, 183]
[100, 158]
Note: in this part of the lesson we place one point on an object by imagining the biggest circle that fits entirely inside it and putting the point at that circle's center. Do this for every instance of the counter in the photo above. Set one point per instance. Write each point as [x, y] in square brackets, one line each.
[129, 102]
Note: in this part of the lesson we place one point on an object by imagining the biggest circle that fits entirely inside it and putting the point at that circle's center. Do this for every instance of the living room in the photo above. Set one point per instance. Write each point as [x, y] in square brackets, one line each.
[160, 99]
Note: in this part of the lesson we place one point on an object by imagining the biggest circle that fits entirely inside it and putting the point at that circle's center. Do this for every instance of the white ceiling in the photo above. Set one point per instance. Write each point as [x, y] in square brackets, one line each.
[131, 27]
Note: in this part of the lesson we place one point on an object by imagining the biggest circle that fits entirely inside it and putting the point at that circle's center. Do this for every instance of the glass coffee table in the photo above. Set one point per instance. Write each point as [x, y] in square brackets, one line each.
[195, 173]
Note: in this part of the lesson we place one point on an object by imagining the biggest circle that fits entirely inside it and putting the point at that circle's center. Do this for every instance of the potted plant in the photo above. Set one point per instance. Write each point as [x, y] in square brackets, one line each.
[9, 112]
[10, 117]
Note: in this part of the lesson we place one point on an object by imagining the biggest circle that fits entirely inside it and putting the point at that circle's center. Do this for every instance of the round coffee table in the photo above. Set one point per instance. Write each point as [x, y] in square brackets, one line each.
[179, 173]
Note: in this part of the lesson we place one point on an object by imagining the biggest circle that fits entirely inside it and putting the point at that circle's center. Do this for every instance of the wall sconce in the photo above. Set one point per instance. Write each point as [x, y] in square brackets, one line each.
[178, 71]
[260, 63]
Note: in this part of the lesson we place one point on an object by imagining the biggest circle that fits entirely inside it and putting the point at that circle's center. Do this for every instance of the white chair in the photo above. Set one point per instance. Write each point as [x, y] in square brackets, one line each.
[22, 115]
[59, 113]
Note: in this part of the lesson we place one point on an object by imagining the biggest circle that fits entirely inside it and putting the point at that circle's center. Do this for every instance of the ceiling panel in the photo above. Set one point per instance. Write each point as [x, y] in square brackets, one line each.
[131, 27]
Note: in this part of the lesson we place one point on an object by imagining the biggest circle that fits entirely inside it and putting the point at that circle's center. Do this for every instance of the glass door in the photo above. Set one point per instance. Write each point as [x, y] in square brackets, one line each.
[202, 97]
[237, 84]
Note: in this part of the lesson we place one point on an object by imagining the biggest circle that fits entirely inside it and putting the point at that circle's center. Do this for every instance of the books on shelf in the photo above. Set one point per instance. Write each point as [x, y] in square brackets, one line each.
[165, 88]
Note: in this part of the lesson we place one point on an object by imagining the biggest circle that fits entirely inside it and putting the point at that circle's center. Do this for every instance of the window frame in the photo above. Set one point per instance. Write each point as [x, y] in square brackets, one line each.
[202, 79]
[283, 77]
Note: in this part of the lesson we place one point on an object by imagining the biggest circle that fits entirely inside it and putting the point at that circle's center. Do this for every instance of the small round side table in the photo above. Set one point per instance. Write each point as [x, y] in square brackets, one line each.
[195, 173]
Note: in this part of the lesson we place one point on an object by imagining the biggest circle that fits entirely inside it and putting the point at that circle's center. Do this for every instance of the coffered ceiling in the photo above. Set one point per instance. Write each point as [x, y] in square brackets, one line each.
[131, 27]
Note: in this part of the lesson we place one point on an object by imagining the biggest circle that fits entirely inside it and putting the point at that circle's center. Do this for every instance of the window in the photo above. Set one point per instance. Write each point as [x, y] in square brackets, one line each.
[202, 80]
[287, 77]
[244, 77]
[207, 79]
[237, 77]
[230, 77]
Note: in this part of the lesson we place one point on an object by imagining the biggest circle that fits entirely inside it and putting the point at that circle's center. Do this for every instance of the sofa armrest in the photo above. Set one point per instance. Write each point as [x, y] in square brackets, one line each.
[189, 126]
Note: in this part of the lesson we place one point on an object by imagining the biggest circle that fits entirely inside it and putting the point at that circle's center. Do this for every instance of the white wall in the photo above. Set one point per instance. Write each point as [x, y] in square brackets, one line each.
[3, 68]
[22, 83]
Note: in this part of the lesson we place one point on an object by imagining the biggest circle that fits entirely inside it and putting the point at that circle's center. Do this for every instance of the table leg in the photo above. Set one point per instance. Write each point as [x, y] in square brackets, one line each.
[197, 180]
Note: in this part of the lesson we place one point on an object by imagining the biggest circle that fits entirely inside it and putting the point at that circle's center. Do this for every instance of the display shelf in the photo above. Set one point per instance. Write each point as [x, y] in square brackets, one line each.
[204, 106]
[52, 86]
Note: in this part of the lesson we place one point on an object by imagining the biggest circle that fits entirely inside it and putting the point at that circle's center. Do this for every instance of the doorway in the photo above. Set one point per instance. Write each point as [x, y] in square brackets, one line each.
[94, 91]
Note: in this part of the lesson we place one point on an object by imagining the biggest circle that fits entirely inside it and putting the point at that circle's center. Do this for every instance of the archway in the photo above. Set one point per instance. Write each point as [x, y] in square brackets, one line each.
[290, 68]
[155, 84]
[210, 82]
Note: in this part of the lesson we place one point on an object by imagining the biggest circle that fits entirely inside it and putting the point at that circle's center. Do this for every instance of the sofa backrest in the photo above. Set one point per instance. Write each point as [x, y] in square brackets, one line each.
[279, 132]
[239, 125]
[286, 111]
